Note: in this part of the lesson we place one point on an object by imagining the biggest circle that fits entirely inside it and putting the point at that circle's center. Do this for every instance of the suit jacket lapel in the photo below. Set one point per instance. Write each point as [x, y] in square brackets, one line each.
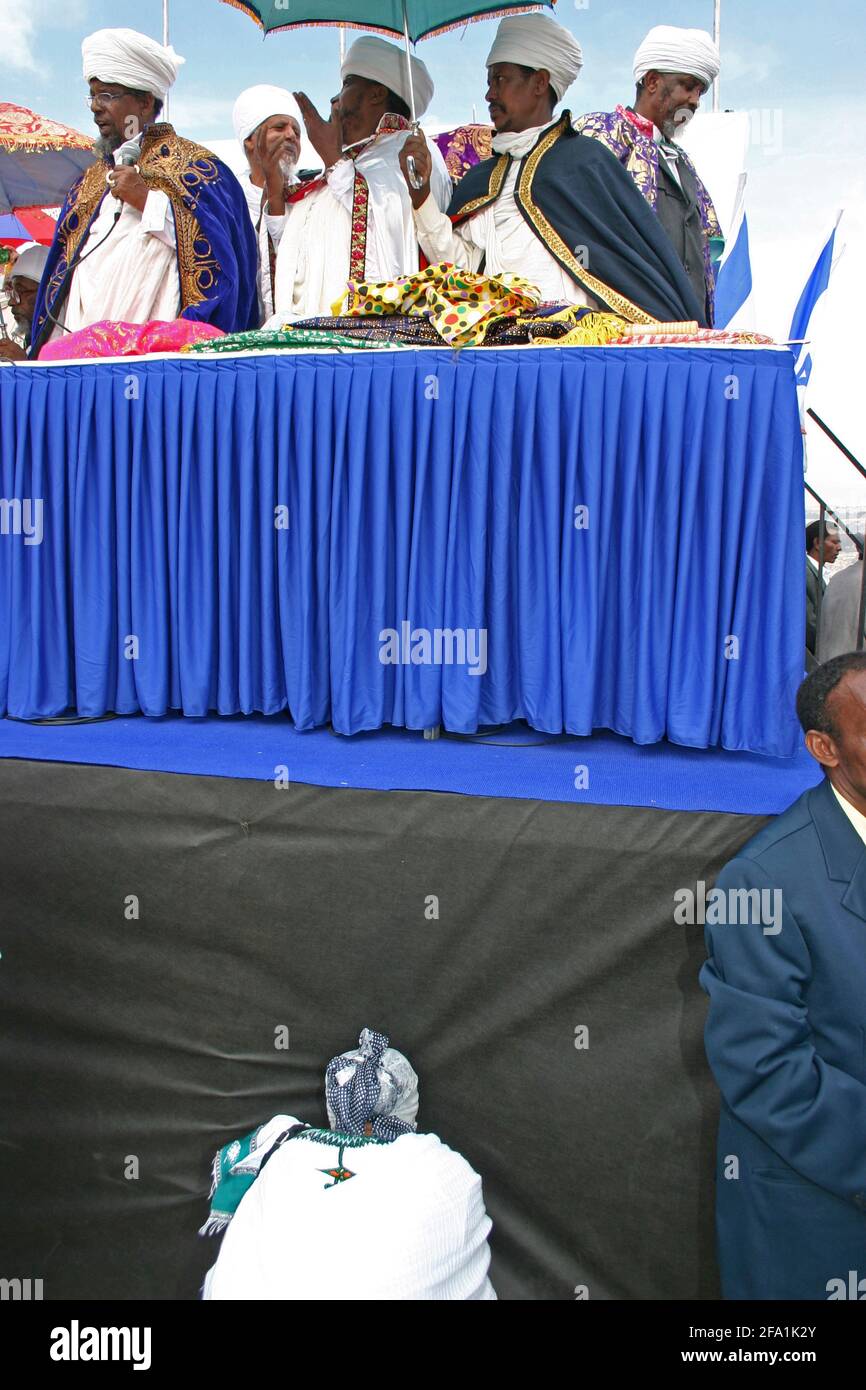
[844, 851]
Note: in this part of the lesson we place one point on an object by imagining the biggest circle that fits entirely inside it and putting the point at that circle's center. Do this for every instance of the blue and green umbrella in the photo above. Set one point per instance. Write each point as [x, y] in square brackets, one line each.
[410, 20]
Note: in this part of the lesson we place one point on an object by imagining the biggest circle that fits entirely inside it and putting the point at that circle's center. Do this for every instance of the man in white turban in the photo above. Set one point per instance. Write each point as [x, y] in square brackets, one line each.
[673, 68]
[267, 122]
[557, 210]
[155, 230]
[23, 281]
[356, 221]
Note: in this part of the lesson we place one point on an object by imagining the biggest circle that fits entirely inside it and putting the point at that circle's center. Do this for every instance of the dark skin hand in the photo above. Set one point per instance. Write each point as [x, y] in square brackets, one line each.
[276, 138]
[415, 147]
[11, 352]
[844, 758]
[326, 138]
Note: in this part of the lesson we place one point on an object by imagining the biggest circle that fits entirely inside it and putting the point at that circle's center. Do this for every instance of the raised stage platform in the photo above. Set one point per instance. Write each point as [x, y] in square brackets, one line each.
[481, 930]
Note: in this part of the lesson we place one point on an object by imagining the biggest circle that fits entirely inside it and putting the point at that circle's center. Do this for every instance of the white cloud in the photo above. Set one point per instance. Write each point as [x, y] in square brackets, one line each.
[21, 22]
[193, 113]
[18, 29]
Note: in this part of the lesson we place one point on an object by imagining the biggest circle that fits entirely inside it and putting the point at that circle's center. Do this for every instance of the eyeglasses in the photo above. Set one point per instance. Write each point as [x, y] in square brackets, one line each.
[102, 99]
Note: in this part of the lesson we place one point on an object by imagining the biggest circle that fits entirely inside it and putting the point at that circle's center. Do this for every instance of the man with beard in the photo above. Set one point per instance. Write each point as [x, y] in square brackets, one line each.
[673, 69]
[158, 228]
[356, 221]
[550, 205]
[267, 122]
[23, 289]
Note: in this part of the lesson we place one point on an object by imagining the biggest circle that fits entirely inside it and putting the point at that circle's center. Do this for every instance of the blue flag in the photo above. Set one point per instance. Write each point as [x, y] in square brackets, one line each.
[814, 288]
[734, 284]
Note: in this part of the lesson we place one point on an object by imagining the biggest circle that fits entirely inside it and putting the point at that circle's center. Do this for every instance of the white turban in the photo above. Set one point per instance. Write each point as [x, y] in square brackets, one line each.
[131, 60]
[668, 49]
[31, 261]
[380, 61]
[537, 41]
[258, 104]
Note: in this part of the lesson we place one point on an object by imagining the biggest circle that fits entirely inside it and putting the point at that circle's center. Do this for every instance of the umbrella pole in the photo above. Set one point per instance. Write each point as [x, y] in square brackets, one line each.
[413, 173]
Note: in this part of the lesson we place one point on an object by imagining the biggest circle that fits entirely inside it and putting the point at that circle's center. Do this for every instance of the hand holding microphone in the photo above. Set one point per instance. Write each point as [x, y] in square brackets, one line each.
[124, 181]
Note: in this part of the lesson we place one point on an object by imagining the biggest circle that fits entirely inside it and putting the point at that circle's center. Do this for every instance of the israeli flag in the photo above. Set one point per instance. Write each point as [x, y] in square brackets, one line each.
[815, 286]
[734, 305]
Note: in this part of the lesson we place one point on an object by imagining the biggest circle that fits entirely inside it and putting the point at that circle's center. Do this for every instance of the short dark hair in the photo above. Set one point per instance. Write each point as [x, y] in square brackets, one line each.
[813, 530]
[158, 102]
[397, 106]
[814, 693]
[551, 94]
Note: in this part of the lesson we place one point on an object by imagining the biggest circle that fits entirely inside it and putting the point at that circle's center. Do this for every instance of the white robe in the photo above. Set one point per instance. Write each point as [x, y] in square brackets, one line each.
[314, 236]
[500, 237]
[131, 278]
[409, 1225]
[255, 197]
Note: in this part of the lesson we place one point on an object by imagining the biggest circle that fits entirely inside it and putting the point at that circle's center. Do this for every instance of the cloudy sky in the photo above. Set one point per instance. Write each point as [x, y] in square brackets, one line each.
[796, 68]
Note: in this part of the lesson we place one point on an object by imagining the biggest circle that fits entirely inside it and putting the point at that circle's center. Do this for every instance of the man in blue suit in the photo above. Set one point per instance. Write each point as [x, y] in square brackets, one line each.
[786, 1033]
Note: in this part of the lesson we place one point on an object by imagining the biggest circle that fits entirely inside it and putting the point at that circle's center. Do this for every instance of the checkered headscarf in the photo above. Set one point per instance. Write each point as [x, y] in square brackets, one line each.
[375, 1084]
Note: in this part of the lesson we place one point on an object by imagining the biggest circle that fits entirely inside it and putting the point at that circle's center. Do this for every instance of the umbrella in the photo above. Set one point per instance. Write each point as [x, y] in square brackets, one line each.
[27, 224]
[40, 159]
[408, 19]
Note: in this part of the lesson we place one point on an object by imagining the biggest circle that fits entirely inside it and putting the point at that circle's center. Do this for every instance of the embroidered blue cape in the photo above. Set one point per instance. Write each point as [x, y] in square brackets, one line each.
[217, 254]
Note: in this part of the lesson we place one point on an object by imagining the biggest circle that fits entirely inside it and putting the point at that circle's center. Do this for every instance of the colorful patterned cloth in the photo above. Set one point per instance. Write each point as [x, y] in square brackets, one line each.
[460, 304]
[465, 147]
[109, 339]
[630, 137]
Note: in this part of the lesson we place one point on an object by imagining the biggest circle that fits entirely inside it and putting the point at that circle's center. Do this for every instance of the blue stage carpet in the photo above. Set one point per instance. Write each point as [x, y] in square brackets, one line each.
[604, 770]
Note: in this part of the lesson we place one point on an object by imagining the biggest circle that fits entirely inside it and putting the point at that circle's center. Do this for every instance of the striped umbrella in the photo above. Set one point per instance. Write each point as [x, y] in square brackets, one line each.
[40, 159]
[410, 20]
[27, 224]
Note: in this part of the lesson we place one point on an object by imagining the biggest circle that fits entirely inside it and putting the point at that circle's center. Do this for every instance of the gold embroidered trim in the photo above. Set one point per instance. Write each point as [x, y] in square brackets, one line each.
[497, 179]
[615, 301]
[171, 165]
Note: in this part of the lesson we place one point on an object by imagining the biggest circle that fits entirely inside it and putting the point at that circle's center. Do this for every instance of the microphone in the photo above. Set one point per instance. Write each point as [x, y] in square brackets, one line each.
[129, 154]
[126, 157]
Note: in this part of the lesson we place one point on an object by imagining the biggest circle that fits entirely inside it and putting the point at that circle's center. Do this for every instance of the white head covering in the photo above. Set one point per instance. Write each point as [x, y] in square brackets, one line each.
[380, 61]
[668, 49]
[31, 261]
[537, 41]
[131, 60]
[258, 104]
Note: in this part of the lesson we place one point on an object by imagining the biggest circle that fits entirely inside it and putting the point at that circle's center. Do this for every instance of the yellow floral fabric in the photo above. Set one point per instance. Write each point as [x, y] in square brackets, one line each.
[459, 304]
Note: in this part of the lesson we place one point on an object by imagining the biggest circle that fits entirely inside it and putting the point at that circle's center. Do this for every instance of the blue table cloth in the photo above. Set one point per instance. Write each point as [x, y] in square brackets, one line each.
[606, 538]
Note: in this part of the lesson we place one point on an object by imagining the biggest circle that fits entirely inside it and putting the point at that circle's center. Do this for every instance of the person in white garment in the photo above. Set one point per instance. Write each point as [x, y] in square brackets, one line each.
[23, 283]
[356, 222]
[157, 228]
[366, 1210]
[551, 206]
[267, 118]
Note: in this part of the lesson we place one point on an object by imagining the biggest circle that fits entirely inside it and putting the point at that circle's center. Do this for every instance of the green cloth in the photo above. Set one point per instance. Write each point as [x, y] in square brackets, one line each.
[280, 339]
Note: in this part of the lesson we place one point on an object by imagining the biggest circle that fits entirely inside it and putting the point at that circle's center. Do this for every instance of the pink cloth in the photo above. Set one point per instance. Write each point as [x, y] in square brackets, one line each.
[107, 339]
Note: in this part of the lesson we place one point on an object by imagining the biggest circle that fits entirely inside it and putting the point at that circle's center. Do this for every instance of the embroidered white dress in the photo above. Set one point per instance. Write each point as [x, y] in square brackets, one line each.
[315, 235]
[398, 1221]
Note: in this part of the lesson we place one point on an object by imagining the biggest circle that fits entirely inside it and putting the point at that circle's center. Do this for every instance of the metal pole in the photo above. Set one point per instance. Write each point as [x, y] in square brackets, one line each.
[342, 46]
[165, 40]
[717, 35]
[409, 63]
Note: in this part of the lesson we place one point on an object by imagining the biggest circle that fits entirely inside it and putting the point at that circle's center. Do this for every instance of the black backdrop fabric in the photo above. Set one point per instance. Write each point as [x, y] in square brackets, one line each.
[265, 908]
